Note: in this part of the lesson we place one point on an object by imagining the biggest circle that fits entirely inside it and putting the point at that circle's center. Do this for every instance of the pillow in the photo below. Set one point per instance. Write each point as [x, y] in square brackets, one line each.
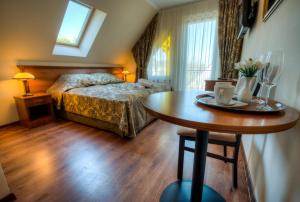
[146, 83]
[67, 82]
[104, 78]
[70, 81]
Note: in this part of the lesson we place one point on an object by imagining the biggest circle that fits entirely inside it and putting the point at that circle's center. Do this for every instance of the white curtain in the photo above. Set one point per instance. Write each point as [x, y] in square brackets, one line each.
[185, 51]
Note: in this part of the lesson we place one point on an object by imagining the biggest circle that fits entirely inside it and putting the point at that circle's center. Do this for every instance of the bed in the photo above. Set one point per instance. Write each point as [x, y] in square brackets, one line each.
[99, 99]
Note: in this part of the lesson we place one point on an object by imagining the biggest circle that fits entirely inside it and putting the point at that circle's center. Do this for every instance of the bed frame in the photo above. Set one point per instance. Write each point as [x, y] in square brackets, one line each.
[46, 73]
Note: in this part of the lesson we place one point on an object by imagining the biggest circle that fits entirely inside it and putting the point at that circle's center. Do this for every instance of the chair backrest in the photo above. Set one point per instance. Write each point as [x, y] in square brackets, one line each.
[210, 84]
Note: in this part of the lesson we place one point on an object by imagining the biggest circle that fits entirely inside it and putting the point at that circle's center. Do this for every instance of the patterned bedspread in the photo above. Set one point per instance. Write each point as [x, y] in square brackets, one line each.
[118, 103]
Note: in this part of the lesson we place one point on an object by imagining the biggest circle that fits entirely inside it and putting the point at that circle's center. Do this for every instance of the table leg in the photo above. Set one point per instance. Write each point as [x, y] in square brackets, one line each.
[195, 190]
[199, 165]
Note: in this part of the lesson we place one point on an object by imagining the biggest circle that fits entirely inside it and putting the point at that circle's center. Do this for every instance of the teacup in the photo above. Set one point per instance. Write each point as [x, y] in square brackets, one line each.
[223, 93]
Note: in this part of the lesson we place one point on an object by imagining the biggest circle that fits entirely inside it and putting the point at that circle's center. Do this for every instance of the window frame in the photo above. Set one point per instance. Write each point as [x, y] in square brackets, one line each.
[84, 27]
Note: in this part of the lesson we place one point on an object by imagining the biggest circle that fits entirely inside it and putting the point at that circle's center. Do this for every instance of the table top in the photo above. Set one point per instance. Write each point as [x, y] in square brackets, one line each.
[35, 95]
[180, 108]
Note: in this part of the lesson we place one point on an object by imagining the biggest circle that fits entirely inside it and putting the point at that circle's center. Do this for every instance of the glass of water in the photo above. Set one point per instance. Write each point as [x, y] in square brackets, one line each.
[270, 75]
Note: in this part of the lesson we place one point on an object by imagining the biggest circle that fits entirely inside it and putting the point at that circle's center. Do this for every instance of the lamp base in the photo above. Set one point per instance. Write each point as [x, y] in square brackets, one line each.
[26, 89]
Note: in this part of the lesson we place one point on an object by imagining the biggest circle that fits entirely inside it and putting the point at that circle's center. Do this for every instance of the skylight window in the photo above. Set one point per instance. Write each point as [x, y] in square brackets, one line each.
[79, 29]
[74, 23]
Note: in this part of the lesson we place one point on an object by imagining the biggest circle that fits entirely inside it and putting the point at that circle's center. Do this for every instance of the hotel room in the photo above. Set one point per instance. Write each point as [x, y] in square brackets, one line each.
[149, 100]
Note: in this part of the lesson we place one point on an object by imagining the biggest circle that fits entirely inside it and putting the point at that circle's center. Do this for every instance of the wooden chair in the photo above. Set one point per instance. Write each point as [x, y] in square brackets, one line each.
[224, 139]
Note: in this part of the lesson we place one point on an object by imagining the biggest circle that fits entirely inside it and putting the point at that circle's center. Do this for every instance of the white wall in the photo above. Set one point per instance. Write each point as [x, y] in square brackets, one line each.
[274, 159]
[29, 29]
[4, 190]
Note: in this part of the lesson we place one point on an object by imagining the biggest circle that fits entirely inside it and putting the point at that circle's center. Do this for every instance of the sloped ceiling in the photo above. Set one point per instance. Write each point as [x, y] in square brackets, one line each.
[28, 31]
[169, 3]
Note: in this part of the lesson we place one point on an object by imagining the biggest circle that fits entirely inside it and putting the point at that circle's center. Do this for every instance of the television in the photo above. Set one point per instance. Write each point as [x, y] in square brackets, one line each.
[247, 15]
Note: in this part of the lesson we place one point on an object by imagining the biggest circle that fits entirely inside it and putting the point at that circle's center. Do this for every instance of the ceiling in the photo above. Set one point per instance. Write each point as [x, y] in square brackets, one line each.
[29, 30]
[168, 3]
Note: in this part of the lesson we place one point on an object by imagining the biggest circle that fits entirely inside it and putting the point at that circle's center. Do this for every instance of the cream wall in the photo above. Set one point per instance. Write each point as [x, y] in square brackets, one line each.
[4, 190]
[274, 159]
[29, 29]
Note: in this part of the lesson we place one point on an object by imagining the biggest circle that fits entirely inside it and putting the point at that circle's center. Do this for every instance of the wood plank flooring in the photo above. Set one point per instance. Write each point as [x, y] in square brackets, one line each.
[66, 161]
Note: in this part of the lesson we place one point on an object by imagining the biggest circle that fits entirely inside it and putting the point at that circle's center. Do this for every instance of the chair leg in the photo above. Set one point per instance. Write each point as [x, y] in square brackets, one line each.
[180, 158]
[225, 152]
[236, 160]
[235, 174]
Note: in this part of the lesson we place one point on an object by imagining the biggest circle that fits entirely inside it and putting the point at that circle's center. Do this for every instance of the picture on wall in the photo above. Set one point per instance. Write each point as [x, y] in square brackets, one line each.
[269, 7]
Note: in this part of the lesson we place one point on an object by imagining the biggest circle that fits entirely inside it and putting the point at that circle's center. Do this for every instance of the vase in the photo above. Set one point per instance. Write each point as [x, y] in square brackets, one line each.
[245, 94]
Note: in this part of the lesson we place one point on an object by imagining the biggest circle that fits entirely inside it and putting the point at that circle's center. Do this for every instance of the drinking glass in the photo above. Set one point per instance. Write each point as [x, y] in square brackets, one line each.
[276, 59]
[262, 78]
[270, 74]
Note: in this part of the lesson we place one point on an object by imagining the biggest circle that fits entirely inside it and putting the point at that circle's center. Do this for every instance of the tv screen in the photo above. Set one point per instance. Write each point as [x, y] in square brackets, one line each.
[247, 16]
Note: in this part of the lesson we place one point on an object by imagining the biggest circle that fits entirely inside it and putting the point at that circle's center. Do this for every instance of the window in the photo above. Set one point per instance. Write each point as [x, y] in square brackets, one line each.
[80, 27]
[185, 49]
[159, 65]
[200, 53]
[74, 23]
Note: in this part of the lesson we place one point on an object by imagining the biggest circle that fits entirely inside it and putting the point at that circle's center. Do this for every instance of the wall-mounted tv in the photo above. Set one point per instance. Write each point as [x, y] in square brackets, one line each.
[247, 15]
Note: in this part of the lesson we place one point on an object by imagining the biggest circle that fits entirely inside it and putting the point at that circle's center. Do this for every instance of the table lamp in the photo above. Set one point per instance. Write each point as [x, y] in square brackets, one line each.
[125, 72]
[24, 77]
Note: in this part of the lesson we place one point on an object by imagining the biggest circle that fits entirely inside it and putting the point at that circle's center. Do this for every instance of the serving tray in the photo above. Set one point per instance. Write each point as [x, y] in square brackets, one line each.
[254, 107]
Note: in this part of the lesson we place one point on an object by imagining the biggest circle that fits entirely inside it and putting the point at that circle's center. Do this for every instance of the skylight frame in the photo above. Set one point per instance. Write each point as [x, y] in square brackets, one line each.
[83, 28]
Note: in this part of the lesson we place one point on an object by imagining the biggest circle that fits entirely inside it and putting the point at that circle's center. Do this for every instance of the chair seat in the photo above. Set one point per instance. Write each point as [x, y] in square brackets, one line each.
[216, 138]
[188, 132]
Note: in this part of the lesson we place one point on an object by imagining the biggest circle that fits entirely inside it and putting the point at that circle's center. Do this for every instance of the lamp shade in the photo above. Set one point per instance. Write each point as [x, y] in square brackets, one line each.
[23, 76]
[125, 72]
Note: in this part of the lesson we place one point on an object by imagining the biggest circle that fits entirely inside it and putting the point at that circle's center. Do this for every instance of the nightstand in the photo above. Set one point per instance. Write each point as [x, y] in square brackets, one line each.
[35, 110]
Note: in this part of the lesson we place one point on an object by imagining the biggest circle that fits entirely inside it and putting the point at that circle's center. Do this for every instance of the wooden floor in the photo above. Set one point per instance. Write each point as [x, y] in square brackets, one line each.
[66, 161]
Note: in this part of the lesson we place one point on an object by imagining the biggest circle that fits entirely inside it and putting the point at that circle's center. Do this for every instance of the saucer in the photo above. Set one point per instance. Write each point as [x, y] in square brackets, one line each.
[211, 101]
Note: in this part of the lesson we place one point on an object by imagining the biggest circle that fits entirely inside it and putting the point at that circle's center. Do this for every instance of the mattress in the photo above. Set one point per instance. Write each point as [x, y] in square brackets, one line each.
[116, 104]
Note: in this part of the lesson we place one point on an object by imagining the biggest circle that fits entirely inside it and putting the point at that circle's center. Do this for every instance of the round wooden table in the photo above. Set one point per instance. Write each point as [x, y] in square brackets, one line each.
[181, 109]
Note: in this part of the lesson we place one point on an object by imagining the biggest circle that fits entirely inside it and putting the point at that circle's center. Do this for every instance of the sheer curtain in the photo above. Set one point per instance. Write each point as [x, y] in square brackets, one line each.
[185, 48]
[201, 53]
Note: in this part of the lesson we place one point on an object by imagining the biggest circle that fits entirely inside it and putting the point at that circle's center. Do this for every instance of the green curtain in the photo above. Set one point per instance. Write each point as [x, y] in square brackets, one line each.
[142, 49]
[230, 46]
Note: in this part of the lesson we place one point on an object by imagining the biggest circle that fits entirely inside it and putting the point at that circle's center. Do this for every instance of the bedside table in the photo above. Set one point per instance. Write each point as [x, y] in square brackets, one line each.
[35, 110]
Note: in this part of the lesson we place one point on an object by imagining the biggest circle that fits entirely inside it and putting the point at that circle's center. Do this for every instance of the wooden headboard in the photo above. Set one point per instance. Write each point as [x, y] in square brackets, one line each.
[46, 73]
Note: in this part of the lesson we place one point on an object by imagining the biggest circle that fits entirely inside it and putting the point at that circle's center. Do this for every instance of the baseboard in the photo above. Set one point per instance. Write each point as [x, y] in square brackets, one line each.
[248, 177]
[9, 124]
[9, 198]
